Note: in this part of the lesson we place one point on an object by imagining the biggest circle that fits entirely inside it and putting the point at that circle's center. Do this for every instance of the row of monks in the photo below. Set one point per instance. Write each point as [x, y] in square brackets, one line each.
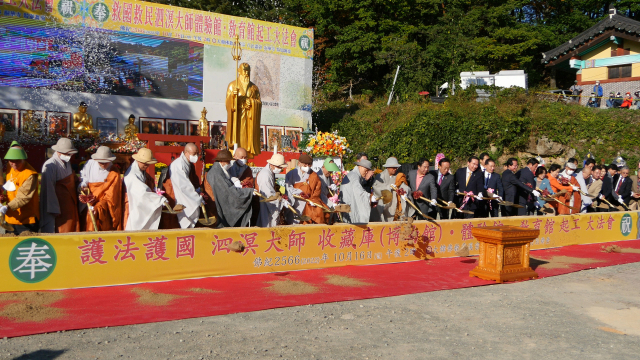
[101, 199]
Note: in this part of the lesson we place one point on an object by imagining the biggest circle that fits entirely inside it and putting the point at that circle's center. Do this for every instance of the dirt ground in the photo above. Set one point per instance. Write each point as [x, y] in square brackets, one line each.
[591, 314]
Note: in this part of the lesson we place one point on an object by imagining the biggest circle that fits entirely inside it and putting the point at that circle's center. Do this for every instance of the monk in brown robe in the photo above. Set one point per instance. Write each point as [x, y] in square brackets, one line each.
[304, 182]
[188, 194]
[100, 178]
[58, 196]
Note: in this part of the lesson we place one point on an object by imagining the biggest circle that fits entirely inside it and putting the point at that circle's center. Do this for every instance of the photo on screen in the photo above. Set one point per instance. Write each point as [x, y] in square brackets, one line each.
[10, 120]
[107, 126]
[151, 125]
[176, 127]
[99, 61]
[59, 123]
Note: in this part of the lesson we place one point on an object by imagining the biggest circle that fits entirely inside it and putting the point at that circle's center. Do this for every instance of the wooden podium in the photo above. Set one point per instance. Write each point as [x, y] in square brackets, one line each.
[504, 253]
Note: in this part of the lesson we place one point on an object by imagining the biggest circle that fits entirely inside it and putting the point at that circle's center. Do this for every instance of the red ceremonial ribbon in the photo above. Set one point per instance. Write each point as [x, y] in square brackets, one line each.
[467, 195]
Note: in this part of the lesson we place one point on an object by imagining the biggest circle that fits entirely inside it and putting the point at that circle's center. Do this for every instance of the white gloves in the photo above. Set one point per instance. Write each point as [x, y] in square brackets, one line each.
[404, 197]
[3, 209]
[575, 188]
[333, 187]
[237, 183]
[601, 197]
[620, 199]
[234, 179]
[312, 204]
[202, 201]
[536, 193]
[165, 201]
[434, 202]
[374, 199]
[450, 203]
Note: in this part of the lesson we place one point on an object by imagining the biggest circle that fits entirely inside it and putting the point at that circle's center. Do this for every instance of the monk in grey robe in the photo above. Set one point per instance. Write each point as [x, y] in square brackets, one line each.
[266, 185]
[353, 193]
[58, 198]
[398, 207]
[233, 203]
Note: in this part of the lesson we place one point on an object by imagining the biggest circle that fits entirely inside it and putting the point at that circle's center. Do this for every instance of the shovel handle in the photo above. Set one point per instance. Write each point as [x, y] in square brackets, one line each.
[204, 211]
[311, 202]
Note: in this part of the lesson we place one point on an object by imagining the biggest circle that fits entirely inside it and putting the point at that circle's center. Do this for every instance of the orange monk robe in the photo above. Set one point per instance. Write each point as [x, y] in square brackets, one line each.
[313, 188]
[565, 198]
[149, 181]
[244, 129]
[108, 205]
[401, 179]
[210, 202]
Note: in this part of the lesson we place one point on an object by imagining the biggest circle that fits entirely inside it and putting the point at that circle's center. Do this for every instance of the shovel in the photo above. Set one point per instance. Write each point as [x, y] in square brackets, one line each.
[295, 213]
[458, 210]
[414, 206]
[207, 221]
[175, 210]
[5, 225]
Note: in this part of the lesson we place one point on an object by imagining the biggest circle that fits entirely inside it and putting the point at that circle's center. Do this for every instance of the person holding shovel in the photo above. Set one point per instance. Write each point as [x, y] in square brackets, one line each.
[142, 204]
[397, 207]
[304, 188]
[22, 192]
[353, 193]
[266, 185]
[182, 187]
[233, 202]
[99, 179]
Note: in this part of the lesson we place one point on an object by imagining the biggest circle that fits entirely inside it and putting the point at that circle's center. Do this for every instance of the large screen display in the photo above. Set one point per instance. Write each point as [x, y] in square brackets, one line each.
[100, 61]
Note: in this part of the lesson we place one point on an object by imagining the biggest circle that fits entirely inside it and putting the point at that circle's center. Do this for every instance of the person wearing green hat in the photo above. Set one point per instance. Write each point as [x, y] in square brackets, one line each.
[328, 167]
[22, 211]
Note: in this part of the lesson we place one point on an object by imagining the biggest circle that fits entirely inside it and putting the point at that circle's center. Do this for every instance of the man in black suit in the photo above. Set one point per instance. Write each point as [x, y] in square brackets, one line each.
[513, 187]
[445, 185]
[622, 188]
[607, 192]
[491, 180]
[527, 176]
[421, 180]
[469, 179]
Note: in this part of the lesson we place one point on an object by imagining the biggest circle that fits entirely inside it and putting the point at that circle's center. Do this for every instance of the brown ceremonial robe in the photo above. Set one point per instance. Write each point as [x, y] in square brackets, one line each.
[170, 221]
[67, 221]
[566, 199]
[245, 129]
[149, 181]
[108, 205]
[313, 188]
[401, 178]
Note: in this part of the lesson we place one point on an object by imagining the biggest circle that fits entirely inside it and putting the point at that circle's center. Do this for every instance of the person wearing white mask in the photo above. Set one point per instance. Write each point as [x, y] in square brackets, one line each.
[305, 183]
[182, 186]
[22, 210]
[266, 185]
[142, 204]
[241, 171]
[58, 191]
[233, 202]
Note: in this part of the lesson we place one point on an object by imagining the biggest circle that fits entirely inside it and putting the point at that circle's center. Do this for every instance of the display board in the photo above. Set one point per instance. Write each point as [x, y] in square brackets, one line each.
[112, 258]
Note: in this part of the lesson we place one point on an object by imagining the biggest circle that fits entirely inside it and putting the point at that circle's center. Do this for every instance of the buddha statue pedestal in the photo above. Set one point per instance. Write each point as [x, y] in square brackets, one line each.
[504, 253]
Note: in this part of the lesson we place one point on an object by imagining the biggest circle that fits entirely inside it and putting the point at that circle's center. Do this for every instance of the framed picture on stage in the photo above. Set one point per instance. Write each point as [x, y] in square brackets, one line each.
[58, 123]
[33, 118]
[151, 125]
[293, 135]
[263, 135]
[11, 120]
[107, 126]
[274, 137]
[218, 131]
[176, 127]
[193, 127]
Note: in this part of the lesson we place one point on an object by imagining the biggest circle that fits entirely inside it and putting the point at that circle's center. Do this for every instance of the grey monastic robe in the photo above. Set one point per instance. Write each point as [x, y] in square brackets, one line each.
[269, 211]
[352, 193]
[293, 177]
[53, 170]
[233, 204]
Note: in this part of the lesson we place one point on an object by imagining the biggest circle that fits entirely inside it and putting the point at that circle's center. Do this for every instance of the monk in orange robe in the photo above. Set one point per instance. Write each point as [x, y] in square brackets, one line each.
[101, 178]
[556, 179]
[304, 182]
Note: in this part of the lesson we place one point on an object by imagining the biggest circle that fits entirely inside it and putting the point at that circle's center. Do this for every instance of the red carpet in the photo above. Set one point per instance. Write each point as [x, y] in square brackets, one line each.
[28, 313]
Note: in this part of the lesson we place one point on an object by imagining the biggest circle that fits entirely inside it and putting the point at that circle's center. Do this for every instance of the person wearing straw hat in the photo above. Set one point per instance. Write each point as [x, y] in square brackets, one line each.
[58, 191]
[182, 186]
[142, 204]
[269, 215]
[353, 193]
[305, 183]
[22, 211]
[398, 206]
[233, 202]
[324, 174]
[100, 178]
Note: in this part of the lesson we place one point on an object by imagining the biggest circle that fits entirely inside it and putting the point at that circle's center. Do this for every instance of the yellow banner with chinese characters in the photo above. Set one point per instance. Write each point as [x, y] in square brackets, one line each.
[114, 258]
[167, 21]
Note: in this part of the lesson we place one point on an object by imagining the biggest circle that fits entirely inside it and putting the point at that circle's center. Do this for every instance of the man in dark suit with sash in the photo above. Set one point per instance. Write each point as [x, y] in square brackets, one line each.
[492, 181]
[445, 185]
[513, 188]
[421, 180]
[469, 181]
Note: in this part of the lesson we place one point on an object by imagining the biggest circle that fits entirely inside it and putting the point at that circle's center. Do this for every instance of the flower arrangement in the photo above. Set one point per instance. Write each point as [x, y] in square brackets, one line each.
[251, 164]
[160, 166]
[327, 144]
[417, 194]
[207, 166]
[131, 147]
[564, 181]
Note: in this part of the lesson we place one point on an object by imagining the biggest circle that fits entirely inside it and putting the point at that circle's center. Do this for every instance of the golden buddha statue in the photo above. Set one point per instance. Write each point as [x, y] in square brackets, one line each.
[203, 124]
[83, 122]
[30, 126]
[130, 131]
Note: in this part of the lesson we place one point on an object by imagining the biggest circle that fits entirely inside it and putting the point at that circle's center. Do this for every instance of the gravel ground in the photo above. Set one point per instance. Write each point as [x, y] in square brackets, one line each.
[591, 314]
